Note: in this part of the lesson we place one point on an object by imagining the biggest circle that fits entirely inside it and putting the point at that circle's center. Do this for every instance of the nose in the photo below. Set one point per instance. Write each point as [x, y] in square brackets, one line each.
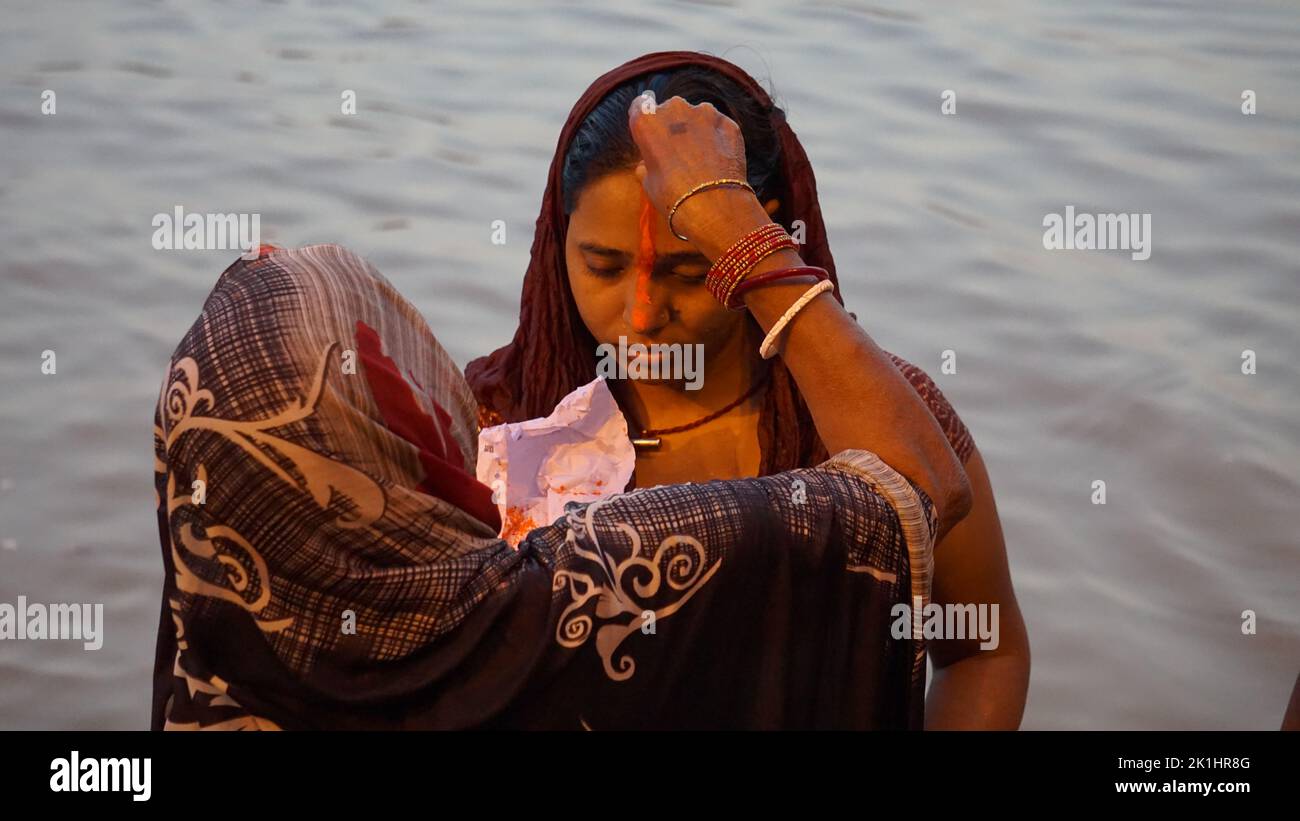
[645, 306]
[645, 309]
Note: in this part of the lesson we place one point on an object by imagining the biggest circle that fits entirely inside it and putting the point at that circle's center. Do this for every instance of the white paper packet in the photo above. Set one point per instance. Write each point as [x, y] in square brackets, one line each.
[581, 452]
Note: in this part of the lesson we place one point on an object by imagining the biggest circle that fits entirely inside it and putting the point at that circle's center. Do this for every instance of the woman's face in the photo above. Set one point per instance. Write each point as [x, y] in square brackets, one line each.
[631, 277]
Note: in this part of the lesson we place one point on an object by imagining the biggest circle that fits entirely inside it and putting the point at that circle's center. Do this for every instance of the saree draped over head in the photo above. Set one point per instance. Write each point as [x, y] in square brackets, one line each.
[526, 378]
[331, 561]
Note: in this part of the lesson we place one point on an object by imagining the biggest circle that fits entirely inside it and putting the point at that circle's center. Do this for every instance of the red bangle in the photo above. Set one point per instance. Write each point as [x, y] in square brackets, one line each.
[768, 277]
[737, 261]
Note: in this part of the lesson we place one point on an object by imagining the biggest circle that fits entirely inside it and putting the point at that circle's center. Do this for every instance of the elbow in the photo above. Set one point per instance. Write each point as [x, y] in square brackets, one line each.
[956, 498]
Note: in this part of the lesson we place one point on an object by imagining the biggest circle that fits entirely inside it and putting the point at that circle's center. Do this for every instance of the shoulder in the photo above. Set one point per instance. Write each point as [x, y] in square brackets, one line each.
[959, 436]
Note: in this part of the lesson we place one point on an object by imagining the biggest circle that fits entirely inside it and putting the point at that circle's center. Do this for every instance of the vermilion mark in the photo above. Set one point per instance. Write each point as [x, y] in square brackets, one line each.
[643, 311]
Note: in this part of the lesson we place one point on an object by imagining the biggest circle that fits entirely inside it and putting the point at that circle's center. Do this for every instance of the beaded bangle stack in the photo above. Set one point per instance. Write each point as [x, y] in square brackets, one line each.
[737, 261]
[728, 281]
[729, 278]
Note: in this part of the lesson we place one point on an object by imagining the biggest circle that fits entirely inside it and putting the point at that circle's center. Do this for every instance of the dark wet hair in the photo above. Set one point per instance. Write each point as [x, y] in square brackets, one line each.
[603, 144]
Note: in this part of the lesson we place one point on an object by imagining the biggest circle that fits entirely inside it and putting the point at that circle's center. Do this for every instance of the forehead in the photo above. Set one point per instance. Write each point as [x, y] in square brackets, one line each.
[609, 209]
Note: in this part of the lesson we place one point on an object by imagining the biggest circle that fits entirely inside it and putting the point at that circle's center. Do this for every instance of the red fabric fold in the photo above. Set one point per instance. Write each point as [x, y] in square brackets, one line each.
[444, 474]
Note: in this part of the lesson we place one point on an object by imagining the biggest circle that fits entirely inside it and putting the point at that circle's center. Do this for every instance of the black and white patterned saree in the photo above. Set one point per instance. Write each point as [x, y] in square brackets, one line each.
[331, 561]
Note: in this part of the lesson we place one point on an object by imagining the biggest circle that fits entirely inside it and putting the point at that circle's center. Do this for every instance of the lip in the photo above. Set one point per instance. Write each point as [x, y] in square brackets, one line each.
[650, 345]
[651, 356]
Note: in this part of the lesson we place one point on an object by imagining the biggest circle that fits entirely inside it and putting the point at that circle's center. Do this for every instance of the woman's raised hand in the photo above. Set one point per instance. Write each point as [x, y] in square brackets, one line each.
[683, 145]
[857, 398]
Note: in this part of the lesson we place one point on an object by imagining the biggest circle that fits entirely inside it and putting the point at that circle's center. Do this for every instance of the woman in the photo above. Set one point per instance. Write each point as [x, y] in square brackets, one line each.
[606, 264]
[331, 562]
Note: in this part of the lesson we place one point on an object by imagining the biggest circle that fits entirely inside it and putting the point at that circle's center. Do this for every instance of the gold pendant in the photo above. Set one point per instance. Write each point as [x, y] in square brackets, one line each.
[644, 442]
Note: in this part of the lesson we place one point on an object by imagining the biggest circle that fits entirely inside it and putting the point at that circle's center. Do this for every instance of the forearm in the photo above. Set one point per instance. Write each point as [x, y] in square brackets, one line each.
[857, 397]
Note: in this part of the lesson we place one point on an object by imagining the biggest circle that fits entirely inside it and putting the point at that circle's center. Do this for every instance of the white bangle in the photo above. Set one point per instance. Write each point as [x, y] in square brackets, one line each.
[768, 349]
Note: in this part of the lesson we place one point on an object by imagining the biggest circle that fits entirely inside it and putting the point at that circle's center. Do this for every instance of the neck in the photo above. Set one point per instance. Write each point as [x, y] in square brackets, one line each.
[728, 373]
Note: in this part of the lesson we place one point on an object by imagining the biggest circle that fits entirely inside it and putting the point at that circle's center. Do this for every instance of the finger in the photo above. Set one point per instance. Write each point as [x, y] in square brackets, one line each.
[717, 115]
[643, 103]
[674, 104]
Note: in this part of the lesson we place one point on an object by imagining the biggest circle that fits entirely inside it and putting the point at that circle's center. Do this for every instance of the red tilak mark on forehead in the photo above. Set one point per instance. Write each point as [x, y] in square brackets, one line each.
[644, 265]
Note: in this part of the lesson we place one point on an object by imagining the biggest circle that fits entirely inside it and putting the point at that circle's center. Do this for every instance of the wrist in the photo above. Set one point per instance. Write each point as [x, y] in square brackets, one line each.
[768, 302]
[716, 219]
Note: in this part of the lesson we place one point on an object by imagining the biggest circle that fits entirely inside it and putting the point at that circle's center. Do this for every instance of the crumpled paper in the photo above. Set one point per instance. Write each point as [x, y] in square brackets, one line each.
[580, 453]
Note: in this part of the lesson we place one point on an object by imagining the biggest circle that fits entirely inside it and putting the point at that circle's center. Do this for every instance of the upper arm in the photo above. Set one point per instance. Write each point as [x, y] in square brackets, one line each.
[970, 567]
